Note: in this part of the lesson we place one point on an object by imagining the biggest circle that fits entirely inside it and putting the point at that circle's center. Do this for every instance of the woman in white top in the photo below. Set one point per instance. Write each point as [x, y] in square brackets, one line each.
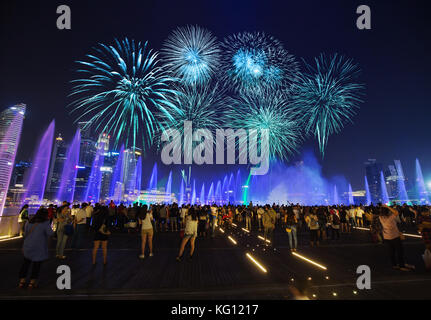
[190, 233]
[146, 230]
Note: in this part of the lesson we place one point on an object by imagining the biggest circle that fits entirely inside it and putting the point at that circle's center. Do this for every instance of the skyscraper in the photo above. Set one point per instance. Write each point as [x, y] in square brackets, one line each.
[11, 121]
[372, 171]
[58, 157]
[391, 177]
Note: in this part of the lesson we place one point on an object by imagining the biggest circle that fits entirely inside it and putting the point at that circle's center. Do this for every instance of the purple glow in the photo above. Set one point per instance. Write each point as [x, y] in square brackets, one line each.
[35, 181]
[93, 188]
[68, 176]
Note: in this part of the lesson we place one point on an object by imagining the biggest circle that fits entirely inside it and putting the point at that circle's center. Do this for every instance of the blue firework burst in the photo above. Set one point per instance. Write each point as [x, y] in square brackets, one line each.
[202, 105]
[193, 54]
[267, 110]
[255, 61]
[327, 96]
[123, 90]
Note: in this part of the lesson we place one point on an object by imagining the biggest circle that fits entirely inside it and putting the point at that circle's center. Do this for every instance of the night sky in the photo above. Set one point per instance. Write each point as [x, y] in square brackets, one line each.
[37, 62]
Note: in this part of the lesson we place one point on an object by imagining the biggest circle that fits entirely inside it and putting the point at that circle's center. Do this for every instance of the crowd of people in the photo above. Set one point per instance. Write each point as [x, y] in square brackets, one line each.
[322, 223]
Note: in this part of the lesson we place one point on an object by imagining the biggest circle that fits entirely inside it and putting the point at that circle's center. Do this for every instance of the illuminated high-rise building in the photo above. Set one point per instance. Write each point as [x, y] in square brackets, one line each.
[372, 171]
[11, 121]
[58, 156]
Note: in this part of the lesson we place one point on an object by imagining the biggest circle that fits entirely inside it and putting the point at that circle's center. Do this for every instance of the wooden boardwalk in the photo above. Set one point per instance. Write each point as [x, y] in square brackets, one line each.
[219, 269]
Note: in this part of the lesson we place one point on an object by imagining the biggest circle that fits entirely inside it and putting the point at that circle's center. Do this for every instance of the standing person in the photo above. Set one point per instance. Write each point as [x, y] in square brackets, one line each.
[322, 219]
[360, 216]
[190, 233]
[424, 226]
[163, 216]
[375, 225]
[35, 248]
[51, 213]
[23, 219]
[111, 214]
[121, 216]
[203, 218]
[213, 219]
[392, 236]
[351, 213]
[80, 223]
[269, 218]
[313, 224]
[173, 217]
[184, 211]
[335, 223]
[260, 213]
[89, 213]
[145, 220]
[64, 217]
[248, 213]
[101, 237]
[343, 220]
[291, 223]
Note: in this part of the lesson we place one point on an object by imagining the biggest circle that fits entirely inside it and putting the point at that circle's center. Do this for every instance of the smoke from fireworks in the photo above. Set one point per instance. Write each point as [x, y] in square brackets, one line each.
[267, 110]
[327, 96]
[255, 61]
[123, 91]
[193, 53]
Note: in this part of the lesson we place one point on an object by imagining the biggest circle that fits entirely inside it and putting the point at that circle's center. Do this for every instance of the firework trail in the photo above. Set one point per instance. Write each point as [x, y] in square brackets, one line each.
[193, 54]
[123, 91]
[327, 96]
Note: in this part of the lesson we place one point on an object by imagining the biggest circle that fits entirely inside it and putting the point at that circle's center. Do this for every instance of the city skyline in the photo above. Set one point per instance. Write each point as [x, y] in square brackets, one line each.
[384, 128]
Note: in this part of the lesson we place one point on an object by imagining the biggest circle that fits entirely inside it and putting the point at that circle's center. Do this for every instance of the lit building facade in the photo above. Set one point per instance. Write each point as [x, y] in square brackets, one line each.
[372, 171]
[58, 157]
[11, 121]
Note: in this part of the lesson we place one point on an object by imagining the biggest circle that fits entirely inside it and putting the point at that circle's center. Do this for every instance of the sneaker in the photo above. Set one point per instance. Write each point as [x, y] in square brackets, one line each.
[190, 257]
[151, 254]
[142, 256]
[178, 259]
[409, 266]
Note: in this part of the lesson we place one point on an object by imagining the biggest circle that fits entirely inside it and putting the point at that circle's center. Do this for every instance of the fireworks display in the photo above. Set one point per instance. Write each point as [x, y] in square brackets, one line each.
[124, 91]
[267, 110]
[249, 81]
[328, 96]
[201, 105]
[255, 61]
[193, 54]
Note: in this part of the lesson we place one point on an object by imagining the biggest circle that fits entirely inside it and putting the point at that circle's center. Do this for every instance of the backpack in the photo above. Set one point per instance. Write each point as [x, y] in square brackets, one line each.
[336, 219]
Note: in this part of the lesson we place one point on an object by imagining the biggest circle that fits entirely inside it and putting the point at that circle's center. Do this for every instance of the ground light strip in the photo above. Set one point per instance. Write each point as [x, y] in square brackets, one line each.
[245, 230]
[256, 263]
[2, 239]
[221, 230]
[262, 238]
[405, 234]
[310, 261]
[231, 239]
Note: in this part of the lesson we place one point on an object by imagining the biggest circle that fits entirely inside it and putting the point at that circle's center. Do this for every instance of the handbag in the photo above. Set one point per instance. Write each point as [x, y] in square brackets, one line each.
[68, 229]
[104, 230]
[288, 230]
